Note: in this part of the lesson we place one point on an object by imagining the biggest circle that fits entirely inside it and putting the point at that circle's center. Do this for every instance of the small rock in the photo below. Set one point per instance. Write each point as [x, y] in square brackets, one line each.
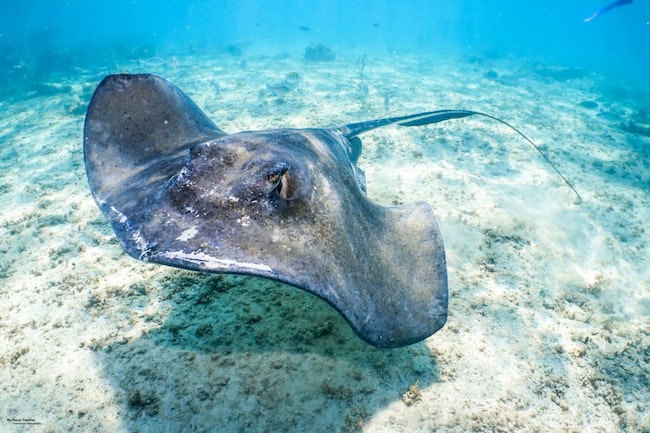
[319, 53]
[413, 395]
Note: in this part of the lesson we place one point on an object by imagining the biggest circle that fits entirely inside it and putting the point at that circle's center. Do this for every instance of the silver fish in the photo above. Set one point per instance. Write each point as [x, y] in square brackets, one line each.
[285, 86]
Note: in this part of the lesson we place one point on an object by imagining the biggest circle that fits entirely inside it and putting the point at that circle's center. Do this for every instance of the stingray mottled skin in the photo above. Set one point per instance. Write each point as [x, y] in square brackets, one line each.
[286, 204]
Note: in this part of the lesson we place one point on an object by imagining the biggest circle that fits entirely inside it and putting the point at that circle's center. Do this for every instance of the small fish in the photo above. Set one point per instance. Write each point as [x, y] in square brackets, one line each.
[305, 28]
[283, 87]
[607, 8]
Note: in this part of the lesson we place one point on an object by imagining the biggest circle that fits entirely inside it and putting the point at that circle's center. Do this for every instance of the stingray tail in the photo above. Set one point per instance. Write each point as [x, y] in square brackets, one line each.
[430, 117]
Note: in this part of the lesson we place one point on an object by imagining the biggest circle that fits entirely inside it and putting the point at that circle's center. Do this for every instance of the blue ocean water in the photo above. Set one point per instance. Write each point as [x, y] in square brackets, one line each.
[39, 38]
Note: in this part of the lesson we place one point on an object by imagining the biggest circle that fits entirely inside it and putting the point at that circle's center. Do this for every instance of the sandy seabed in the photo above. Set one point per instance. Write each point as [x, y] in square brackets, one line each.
[549, 316]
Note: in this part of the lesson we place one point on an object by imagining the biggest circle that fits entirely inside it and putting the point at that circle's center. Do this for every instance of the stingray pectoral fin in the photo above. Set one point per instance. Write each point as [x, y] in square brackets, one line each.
[386, 275]
[397, 294]
[134, 120]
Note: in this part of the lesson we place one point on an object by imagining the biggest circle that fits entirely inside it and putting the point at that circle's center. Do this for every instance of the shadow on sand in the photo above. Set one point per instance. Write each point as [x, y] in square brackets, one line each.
[246, 354]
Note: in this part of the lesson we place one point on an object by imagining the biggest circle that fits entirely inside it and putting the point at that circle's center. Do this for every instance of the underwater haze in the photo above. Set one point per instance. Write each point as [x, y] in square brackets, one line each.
[548, 326]
[67, 33]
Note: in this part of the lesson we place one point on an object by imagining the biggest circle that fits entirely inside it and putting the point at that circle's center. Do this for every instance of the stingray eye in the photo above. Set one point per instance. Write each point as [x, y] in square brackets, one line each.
[274, 178]
[282, 183]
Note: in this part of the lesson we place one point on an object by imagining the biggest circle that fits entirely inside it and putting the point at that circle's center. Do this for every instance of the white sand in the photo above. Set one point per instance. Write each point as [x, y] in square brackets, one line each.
[549, 325]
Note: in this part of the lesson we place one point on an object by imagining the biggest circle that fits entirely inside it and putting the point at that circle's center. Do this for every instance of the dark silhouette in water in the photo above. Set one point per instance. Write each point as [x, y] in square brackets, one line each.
[607, 8]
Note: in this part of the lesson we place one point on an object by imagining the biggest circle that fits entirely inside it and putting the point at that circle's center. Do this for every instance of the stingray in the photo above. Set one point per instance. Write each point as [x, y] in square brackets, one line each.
[284, 204]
